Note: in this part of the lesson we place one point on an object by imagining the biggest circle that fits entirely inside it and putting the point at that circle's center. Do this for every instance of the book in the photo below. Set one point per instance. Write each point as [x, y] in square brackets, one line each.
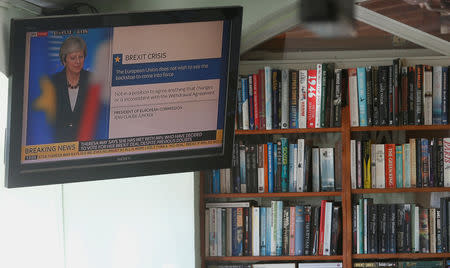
[353, 95]
[337, 97]
[445, 96]
[362, 95]
[369, 96]
[251, 107]
[413, 162]
[285, 232]
[446, 162]
[411, 94]
[437, 95]
[256, 96]
[268, 96]
[327, 229]
[326, 169]
[292, 227]
[404, 96]
[311, 100]
[376, 97]
[353, 163]
[293, 167]
[367, 165]
[284, 165]
[276, 98]
[245, 104]
[383, 104]
[270, 167]
[294, 98]
[308, 230]
[261, 175]
[263, 231]
[255, 231]
[284, 99]
[380, 166]
[428, 95]
[302, 98]
[301, 165]
[418, 97]
[399, 166]
[315, 170]
[390, 165]
[406, 166]
[262, 98]
[319, 90]
[299, 230]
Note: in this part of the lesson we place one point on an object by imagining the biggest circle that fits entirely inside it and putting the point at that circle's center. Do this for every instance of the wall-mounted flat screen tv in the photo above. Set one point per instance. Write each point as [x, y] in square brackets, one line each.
[104, 96]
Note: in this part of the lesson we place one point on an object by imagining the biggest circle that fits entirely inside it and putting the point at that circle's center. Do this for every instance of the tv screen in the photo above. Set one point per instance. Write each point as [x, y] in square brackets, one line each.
[119, 95]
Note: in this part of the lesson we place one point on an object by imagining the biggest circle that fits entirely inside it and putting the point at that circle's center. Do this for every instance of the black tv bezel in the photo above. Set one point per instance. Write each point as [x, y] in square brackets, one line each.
[66, 171]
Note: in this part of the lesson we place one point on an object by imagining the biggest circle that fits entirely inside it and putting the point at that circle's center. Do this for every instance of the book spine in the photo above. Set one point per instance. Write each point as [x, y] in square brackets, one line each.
[376, 97]
[432, 227]
[440, 159]
[263, 231]
[255, 231]
[326, 169]
[279, 170]
[446, 162]
[327, 229]
[238, 249]
[261, 177]
[362, 95]
[284, 99]
[279, 243]
[428, 95]
[268, 96]
[353, 91]
[256, 93]
[372, 229]
[299, 230]
[413, 162]
[245, 104]
[392, 228]
[276, 100]
[416, 229]
[284, 165]
[354, 229]
[369, 96]
[445, 95]
[322, 227]
[380, 166]
[301, 165]
[269, 231]
[396, 90]
[390, 166]
[274, 228]
[383, 229]
[337, 98]
[391, 95]
[399, 166]
[424, 231]
[307, 238]
[315, 170]
[239, 104]
[336, 227]
[418, 115]
[411, 94]
[207, 232]
[367, 165]
[324, 94]
[285, 232]
[373, 165]
[311, 100]
[319, 89]
[292, 168]
[437, 95]
[444, 224]
[270, 164]
[228, 232]
[292, 227]
[438, 231]
[406, 166]
[353, 163]
[294, 94]
[247, 240]
[359, 160]
[262, 98]
[330, 93]
[408, 229]
[302, 98]
[404, 101]
[251, 107]
[425, 163]
[383, 105]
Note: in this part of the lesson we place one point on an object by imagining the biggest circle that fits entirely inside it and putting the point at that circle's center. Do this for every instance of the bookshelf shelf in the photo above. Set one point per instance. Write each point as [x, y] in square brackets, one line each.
[402, 256]
[274, 258]
[401, 190]
[288, 131]
[268, 195]
[400, 128]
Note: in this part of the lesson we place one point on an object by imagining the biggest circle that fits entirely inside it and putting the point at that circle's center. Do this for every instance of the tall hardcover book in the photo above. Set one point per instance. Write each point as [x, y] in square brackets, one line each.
[337, 98]
[311, 101]
[315, 170]
[428, 95]
[256, 97]
[319, 89]
[362, 95]
[299, 230]
[294, 94]
[328, 84]
[276, 98]
[376, 97]
[308, 230]
[353, 96]
[390, 90]
[383, 104]
[285, 99]
[369, 96]
[326, 169]
[261, 175]
[424, 234]
[411, 94]
[302, 97]
[396, 90]
[251, 107]
[418, 96]
[437, 95]
[404, 97]
[268, 96]
[262, 98]
[245, 104]
[301, 165]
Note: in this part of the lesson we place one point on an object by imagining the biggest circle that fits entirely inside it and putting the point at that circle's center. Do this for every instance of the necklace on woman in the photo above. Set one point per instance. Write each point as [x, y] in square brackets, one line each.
[70, 86]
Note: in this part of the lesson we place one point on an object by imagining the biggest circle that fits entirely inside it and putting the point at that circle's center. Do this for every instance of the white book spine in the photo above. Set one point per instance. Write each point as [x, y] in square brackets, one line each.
[380, 171]
[223, 181]
[428, 97]
[273, 229]
[255, 231]
[373, 164]
[354, 104]
[318, 94]
[227, 180]
[302, 97]
[432, 227]
[212, 232]
[353, 163]
[268, 91]
[447, 162]
[229, 231]
[327, 229]
[285, 98]
[301, 165]
[416, 230]
[295, 167]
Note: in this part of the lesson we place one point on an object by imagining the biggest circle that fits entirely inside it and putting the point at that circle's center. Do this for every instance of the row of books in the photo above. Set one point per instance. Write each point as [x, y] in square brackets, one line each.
[243, 229]
[401, 264]
[281, 265]
[420, 163]
[396, 95]
[399, 228]
[282, 166]
[278, 99]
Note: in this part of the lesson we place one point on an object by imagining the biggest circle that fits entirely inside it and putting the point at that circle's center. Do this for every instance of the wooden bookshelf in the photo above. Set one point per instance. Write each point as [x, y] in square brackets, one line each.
[400, 128]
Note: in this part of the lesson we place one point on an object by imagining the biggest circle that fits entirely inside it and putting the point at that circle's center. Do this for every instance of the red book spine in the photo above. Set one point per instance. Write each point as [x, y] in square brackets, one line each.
[262, 99]
[322, 226]
[256, 92]
[389, 150]
[291, 231]
[311, 101]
